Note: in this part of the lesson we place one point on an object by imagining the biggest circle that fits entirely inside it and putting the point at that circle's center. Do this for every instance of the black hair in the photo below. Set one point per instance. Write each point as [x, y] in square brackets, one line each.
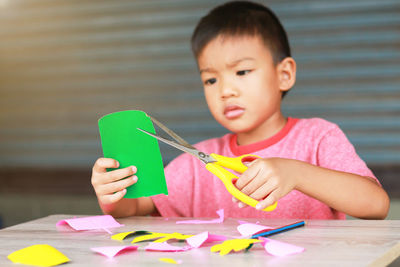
[242, 18]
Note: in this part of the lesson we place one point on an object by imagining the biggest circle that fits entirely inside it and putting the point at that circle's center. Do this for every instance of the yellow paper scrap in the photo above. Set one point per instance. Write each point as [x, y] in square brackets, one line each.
[148, 237]
[161, 237]
[233, 244]
[38, 255]
[121, 236]
[168, 260]
[177, 236]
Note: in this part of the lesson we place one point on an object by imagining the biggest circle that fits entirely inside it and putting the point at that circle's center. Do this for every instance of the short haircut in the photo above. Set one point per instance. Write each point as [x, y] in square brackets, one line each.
[239, 18]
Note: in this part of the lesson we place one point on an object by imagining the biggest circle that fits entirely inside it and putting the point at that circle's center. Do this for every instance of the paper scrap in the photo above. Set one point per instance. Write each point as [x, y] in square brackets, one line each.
[169, 260]
[279, 248]
[249, 229]
[111, 251]
[197, 240]
[150, 236]
[91, 223]
[38, 255]
[219, 220]
[165, 247]
[161, 237]
[242, 222]
[233, 244]
[122, 236]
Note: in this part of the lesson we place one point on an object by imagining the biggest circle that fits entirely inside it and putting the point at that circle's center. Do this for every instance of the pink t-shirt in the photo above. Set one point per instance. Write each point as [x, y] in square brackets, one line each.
[195, 192]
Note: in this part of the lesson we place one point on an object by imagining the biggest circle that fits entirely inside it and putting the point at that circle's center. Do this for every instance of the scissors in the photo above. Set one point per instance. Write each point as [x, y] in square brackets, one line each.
[214, 163]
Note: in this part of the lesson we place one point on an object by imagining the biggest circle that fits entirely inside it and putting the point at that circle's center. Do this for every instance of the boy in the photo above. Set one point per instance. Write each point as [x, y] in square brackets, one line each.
[307, 165]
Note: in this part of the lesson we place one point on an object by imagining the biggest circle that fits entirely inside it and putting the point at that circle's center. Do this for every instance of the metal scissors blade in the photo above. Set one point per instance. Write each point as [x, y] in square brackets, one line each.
[191, 150]
[171, 133]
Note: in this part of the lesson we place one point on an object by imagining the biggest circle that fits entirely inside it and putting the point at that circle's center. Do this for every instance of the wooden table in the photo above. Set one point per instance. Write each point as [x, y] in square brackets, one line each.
[327, 243]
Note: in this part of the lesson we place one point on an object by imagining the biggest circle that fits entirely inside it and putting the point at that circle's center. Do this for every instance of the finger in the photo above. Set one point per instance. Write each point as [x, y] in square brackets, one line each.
[102, 164]
[257, 181]
[246, 177]
[254, 185]
[111, 188]
[242, 204]
[112, 198]
[268, 201]
[248, 163]
[119, 174]
[264, 190]
[99, 179]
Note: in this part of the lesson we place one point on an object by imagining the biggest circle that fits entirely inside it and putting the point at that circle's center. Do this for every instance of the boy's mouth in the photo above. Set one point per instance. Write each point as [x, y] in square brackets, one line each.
[233, 112]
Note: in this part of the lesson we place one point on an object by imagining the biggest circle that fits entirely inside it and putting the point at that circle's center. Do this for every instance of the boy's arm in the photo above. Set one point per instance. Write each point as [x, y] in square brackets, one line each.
[352, 194]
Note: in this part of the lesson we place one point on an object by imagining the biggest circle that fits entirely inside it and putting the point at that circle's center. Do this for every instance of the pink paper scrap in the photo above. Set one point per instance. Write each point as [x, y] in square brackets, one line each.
[110, 252]
[243, 222]
[165, 247]
[249, 229]
[197, 240]
[219, 220]
[92, 223]
[279, 248]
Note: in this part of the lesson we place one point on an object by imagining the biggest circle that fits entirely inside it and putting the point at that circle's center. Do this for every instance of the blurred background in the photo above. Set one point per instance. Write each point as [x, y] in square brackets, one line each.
[66, 63]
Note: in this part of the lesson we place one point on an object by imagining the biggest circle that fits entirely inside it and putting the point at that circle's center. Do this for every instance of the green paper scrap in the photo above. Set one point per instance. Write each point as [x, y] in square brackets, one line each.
[122, 141]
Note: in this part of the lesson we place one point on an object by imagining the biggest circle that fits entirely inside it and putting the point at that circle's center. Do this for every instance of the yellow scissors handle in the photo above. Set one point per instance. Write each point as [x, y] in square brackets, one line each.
[227, 177]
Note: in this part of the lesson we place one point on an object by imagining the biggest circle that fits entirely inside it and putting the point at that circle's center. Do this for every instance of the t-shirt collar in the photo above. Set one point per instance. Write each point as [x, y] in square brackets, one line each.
[251, 148]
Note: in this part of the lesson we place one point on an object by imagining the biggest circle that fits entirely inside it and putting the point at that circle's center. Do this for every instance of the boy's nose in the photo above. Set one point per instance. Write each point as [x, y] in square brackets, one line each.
[228, 90]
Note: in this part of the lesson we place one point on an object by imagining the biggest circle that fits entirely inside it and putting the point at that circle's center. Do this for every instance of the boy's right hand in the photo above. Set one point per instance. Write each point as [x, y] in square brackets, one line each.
[111, 186]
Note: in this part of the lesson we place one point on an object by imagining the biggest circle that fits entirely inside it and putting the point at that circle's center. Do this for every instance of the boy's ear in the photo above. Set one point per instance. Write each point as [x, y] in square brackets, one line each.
[286, 73]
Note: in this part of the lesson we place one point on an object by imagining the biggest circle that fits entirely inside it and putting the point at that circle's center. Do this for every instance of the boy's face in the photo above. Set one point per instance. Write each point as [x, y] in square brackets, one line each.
[241, 83]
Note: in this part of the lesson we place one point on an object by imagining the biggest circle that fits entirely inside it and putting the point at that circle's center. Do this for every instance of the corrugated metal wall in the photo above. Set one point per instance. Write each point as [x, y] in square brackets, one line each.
[65, 63]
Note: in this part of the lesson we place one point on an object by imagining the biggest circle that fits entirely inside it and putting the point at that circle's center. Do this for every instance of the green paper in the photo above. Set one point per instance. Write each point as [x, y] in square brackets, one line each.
[122, 141]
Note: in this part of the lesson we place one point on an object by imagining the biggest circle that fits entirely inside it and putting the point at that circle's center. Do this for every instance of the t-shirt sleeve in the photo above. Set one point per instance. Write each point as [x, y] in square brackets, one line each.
[179, 178]
[336, 152]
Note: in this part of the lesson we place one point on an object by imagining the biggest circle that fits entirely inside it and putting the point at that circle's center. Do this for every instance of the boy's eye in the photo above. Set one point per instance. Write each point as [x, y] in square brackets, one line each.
[210, 81]
[242, 72]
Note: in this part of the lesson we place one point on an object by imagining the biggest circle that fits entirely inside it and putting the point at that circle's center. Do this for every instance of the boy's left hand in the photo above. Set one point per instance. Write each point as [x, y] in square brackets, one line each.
[268, 180]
